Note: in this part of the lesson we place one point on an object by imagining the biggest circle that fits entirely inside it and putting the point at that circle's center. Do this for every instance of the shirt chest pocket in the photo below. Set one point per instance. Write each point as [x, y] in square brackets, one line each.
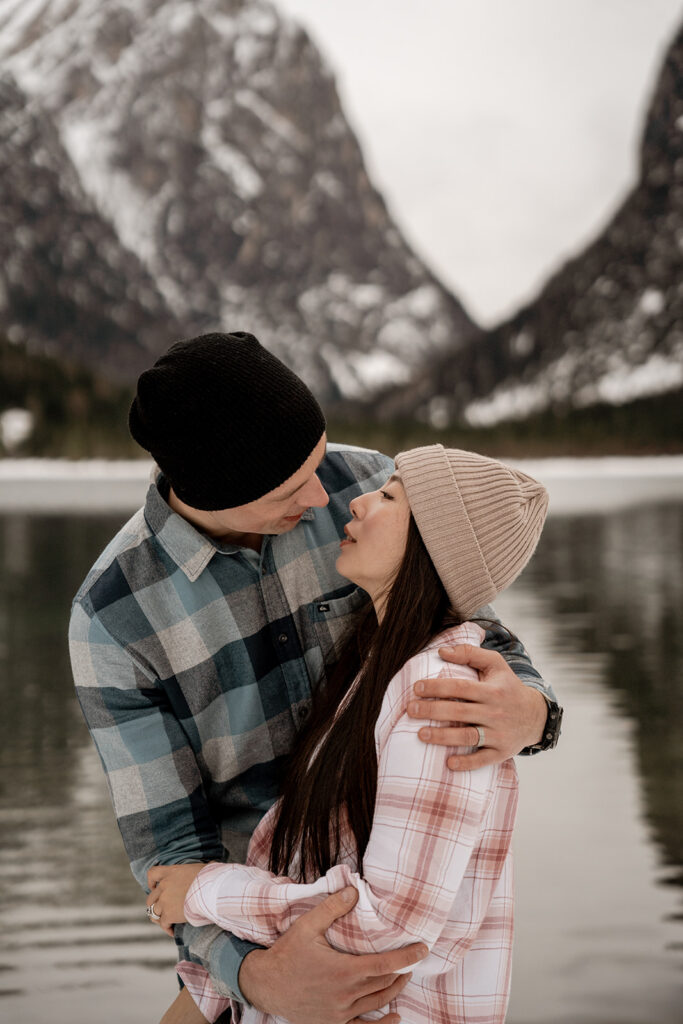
[332, 618]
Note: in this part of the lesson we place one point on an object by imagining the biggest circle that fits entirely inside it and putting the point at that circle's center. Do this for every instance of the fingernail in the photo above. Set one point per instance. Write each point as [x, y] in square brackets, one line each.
[347, 895]
[419, 687]
[424, 734]
[414, 708]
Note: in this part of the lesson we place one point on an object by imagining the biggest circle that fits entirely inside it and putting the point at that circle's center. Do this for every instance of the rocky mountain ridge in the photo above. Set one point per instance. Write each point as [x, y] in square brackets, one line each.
[607, 328]
[207, 141]
[66, 282]
[168, 167]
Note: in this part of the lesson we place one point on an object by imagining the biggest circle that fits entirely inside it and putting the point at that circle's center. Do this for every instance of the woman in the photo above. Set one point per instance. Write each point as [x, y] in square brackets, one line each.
[365, 803]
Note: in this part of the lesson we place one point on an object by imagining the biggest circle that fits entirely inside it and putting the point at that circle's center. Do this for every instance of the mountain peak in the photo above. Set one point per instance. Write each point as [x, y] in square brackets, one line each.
[606, 328]
[210, 136]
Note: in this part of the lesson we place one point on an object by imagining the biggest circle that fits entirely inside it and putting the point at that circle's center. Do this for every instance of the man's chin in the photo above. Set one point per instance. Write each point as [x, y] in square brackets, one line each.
[287, 523]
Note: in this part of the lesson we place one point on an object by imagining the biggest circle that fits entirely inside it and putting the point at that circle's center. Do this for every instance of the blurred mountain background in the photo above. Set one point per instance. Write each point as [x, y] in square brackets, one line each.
[168, 168]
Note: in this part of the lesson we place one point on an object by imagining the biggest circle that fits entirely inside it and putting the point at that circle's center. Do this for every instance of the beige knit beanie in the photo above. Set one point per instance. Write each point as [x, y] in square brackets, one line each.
[480, 520]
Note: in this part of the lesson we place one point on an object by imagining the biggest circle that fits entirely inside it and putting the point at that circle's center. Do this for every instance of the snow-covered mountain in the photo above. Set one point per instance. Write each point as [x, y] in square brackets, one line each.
[607, 328]
[204, 144]
[67, 284]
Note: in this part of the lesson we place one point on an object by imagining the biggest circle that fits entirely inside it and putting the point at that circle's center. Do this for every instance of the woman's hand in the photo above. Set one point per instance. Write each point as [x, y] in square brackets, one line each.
[168, 888]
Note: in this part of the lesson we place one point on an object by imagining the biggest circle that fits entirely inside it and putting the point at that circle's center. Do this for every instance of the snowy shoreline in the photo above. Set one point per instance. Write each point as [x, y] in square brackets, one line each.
[116, 486]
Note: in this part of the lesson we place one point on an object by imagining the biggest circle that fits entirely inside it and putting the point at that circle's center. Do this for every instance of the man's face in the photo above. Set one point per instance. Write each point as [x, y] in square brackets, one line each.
[281, 509]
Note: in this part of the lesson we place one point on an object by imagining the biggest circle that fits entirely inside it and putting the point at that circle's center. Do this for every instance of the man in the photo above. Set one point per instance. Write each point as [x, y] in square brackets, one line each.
[199, 632]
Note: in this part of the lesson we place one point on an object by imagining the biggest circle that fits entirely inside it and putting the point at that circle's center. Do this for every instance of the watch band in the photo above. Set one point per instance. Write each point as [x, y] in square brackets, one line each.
[551, 730]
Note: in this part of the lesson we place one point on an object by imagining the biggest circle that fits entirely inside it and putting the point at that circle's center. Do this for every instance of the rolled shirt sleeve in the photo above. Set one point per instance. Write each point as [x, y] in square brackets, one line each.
[153, 778]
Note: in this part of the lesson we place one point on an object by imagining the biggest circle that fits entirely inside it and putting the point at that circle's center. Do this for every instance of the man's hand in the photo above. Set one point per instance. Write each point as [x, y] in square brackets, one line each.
[302, 978]
[511, 714]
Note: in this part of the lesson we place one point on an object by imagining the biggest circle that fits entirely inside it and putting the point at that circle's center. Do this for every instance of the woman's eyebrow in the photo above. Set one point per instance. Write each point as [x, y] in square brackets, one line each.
[395, 478]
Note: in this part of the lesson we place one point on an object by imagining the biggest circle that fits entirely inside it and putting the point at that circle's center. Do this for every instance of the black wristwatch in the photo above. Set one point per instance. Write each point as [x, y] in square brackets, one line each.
[551, 729]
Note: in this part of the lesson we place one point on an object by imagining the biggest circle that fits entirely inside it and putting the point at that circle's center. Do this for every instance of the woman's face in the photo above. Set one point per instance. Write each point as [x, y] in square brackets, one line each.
[375, 538]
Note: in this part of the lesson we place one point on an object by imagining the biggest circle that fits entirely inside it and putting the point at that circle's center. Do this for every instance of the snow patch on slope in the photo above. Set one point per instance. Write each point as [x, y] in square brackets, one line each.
[655, 376]
[246, 180]
[113, 191]
[622, 383]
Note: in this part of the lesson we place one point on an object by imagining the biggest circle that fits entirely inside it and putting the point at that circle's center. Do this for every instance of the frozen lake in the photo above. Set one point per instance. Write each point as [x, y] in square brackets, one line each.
[96, 485]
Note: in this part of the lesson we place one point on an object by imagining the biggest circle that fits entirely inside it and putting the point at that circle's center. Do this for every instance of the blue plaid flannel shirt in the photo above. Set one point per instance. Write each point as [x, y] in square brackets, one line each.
[193, 663]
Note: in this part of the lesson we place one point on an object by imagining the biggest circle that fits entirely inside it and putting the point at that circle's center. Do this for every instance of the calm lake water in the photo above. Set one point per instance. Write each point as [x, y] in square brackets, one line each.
[600, 835]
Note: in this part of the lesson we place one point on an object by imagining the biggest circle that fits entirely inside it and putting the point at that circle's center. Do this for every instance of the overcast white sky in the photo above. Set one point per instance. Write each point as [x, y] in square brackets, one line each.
[503, 133]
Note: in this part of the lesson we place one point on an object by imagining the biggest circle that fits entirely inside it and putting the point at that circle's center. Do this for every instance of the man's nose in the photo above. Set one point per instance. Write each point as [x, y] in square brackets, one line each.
[314, 494]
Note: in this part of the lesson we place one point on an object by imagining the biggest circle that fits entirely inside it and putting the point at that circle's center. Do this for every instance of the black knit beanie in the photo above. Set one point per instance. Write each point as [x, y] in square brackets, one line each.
[224, 419]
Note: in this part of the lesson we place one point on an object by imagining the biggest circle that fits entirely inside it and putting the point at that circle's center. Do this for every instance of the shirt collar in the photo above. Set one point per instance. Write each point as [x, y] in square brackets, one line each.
[190, 550]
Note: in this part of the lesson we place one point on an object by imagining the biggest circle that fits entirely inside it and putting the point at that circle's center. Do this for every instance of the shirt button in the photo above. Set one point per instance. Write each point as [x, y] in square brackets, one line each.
[283, 638]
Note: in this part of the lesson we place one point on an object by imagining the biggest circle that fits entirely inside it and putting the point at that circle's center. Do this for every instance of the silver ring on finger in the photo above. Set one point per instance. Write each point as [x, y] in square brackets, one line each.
[481, 740]
[152, 914]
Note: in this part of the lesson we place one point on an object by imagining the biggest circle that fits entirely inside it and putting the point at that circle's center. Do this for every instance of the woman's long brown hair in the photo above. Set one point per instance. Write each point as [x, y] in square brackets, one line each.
[332, 771]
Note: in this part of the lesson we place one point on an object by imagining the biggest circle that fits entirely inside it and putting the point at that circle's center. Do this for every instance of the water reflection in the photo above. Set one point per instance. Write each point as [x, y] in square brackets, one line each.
[614, 585]
[600, 609]
[34, 596]
[73, 930]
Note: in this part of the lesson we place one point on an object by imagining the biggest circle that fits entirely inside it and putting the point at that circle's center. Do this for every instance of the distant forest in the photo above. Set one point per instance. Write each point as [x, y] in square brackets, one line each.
[77, 414]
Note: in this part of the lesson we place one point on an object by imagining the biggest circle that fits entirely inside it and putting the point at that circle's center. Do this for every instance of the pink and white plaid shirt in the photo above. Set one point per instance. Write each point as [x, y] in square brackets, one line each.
[437, 869]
